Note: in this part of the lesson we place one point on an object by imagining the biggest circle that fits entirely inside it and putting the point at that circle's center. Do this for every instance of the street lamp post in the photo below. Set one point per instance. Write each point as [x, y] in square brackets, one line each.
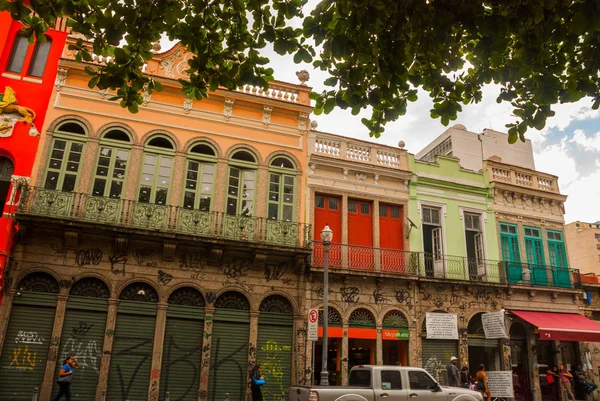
[326, 237]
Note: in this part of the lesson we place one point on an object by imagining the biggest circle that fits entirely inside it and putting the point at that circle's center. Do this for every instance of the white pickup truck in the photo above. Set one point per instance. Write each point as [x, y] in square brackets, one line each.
[385, 383]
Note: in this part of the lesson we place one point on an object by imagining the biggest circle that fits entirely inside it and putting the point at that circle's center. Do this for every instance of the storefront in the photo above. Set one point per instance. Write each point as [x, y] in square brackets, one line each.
[436, 352]
[362, 338]
[395, 337]
[481, 350]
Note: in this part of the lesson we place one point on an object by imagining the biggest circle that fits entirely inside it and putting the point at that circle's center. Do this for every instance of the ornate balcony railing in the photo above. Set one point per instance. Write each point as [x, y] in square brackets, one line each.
[345, 257]
[162, 218]
[522, 177]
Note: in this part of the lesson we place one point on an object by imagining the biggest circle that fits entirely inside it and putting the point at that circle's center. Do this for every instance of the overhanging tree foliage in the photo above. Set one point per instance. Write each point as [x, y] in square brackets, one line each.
[377, 52]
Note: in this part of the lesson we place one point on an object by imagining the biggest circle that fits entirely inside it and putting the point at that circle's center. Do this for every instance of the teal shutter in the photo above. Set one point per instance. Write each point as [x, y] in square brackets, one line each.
[229, 355]
[511, 255]
[131, 362]
[182, 353]
[535, 258]
[83, 337]
[274, 353]
[25, 350]
[558, 259]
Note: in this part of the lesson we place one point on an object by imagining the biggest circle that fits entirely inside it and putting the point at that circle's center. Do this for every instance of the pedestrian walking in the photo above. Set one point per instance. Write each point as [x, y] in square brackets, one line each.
[552, 378]
[453, 375]
[464, 377]
[482, 384]
[565, 381]
[65, 378]
[258, 380]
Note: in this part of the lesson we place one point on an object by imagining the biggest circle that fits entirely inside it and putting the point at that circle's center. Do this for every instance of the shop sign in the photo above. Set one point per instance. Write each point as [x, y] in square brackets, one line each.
[442, 326]
[399, 334]
[493, 324]
[500, 384]
[313, 325]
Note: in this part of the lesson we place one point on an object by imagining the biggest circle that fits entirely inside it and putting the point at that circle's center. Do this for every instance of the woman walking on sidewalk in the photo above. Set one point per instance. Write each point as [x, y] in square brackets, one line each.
[565, 381]
[482, 385]
[65, 377]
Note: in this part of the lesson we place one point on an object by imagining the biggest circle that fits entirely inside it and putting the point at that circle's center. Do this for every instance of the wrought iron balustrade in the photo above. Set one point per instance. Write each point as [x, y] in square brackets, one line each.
[542, 275]
[165, 218]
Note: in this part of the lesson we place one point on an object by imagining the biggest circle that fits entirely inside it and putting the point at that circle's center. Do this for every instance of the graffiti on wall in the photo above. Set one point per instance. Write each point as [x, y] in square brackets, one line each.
[223, 358]
[185, 358]
[273, 368]
[137, 353]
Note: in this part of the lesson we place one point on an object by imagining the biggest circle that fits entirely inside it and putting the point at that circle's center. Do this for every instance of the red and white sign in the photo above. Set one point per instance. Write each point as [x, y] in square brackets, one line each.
[313, 325]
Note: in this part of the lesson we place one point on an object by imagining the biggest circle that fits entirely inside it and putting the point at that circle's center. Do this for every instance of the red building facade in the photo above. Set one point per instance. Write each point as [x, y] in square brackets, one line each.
[27, 75]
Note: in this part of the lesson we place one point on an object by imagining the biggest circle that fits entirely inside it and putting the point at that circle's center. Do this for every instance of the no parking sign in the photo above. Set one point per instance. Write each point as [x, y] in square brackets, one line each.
[313, 325]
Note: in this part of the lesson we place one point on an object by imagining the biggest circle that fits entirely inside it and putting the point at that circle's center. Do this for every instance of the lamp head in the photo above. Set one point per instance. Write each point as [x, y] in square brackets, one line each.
[326, 234]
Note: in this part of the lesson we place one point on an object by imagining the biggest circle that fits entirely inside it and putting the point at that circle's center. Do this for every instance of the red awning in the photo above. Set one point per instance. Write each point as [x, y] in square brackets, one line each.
[562, 326]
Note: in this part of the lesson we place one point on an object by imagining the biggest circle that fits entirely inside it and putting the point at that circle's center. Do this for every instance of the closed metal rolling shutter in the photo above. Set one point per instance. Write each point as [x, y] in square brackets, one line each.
[182, 353]
[131, 360]
[25, 349]
[83, 337]
[436, 356]
[483, 342]
[229, 355]
[274, 353]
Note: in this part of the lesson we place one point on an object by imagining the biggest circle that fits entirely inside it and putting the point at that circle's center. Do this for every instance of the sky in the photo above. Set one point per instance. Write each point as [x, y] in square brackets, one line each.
[568, 147]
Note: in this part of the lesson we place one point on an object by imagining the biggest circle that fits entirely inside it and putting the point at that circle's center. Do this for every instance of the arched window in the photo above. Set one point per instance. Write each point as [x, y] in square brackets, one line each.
[65, 158]
[40, 58]
[111, 168]
[18, 54]
[282, 183]
[241, 189]
[200, 177]
[157, 171]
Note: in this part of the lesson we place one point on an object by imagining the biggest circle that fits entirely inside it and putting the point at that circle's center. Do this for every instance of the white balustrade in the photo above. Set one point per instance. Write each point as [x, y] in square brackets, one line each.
[358, 153]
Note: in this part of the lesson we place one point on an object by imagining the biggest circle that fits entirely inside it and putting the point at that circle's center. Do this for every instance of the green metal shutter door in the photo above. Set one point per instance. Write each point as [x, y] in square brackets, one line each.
[436, 356]
[182, 353]
[229, 355]
[131, 361]
[483, 342]
[274, 353]
[25, 351]
[83, 336]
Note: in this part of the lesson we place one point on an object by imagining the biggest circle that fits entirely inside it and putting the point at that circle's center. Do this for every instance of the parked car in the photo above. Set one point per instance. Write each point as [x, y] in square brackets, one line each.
[385, 383]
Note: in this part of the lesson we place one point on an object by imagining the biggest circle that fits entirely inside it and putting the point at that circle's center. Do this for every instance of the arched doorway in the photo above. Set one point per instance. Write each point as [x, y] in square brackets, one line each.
[395, 337]
[481, 350]
[436, 353]
[274, 353]
[519, 362]
[28, 335]
[362, 335]
[335, 335]
[83, 334]
[182, 348]
[6, 171]
[229, 347]
[131, 361]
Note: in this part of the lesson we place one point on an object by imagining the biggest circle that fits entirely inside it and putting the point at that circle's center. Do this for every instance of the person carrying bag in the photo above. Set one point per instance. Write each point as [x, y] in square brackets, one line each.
[65, 378]
[257, 382]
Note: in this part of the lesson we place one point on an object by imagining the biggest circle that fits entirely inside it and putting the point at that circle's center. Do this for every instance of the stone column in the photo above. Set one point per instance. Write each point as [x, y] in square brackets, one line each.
[414, 346]
[299, 350]
[51, 362]
[534, 379]
[463, 350]
[260, 192]
[178, 180]
[157, 349]
[379, 347]
[133, 172]
[87, 166]
[344, 359]
[221, 181]
[209, 312]
[252, 349]
[109, 335]
[506, 357]
[5, 310]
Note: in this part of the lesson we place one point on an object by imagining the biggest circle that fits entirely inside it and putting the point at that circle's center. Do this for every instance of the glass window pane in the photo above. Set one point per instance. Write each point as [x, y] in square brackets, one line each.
[188, 200]
[147, 178]
[205, 203]
[72, 166]
[395, 212]
[273, 211]
[57, 153]
[116, 188]
[207, 178]
[208, 168]
[145, 193]
[103, 171]
[206, 187]
[320, 202]
[58, 144]
[232, 206]
[247, 208]
[77, 147]
[352, 206]
[189, 184]
[51, 180]
[164, 171]
[104, 161]
[193, 166]
[288, 198]
[275, 178]
[165, 162]
[288, 212]
[119, 173]
[333, 204]
[74, 157]
[40, 56]
[69, 182]
[106, 152]
[383, 211]
[17, 57]
[54, 163]
[161, 196]
[365, 208]
[287, 180]
[192, 175]
[122, 155]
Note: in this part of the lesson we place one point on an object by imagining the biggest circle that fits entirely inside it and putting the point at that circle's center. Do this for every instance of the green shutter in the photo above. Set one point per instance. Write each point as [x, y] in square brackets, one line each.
[83, 337]
[182, 353]
[229, 355]
[274, 353]
[25, 351]
[131, 361]
[436, 356]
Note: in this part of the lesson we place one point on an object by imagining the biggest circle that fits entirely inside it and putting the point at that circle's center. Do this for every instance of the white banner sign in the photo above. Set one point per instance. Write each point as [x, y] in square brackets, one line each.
[500, 384]
[313, 325]
[442, 326]
[493, 325]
